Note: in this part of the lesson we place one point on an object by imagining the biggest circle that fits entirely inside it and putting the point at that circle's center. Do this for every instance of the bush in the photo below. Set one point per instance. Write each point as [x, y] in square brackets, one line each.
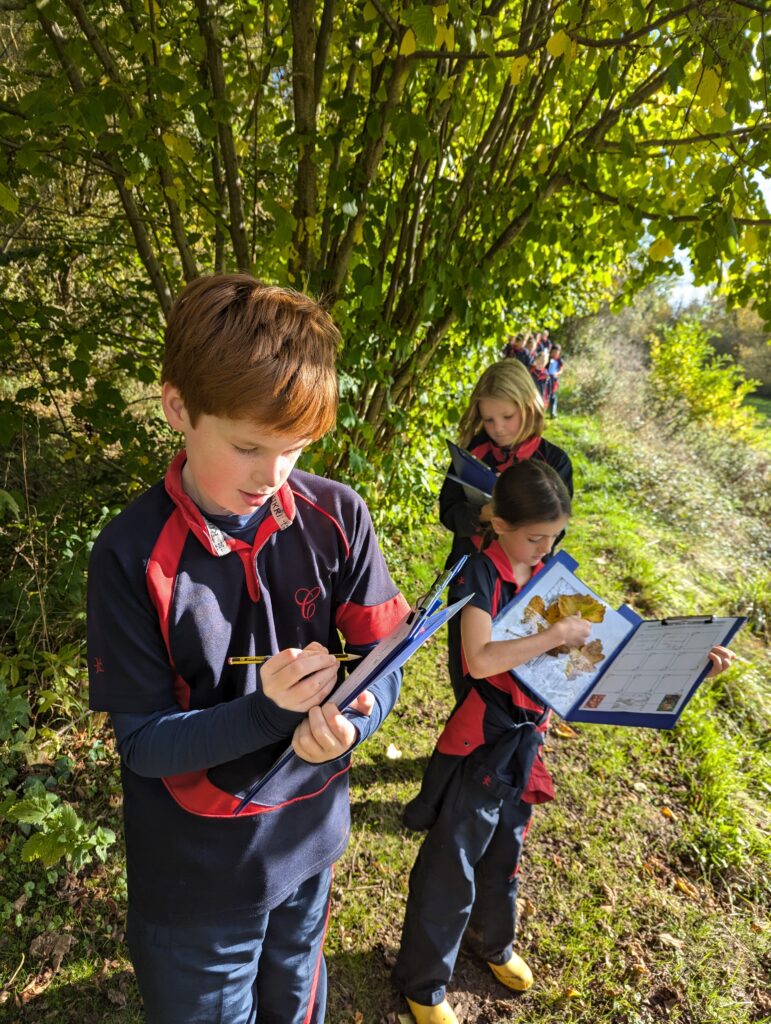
[687, 375]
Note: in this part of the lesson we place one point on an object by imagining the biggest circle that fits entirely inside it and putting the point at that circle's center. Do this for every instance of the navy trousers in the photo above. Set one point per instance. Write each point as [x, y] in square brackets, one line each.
[267, 969]
[464, 880]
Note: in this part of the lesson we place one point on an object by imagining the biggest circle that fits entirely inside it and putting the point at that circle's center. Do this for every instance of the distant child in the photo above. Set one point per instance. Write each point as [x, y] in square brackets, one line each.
[501, 426]
[540, 376]
[237, 553]
[515, 349]
[486, 771]
[554, 369]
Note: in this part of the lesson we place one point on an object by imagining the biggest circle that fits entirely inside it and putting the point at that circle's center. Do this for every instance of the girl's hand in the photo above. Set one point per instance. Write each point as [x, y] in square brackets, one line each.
[324, 735]
[297, 680]
[486, 513]
[573, 631]
[721, 658]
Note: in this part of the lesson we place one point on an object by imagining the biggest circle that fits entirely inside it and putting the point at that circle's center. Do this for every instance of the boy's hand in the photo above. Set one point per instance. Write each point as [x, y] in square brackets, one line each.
[297, 680]
[721, 658]
[325, 734]
[572, 630]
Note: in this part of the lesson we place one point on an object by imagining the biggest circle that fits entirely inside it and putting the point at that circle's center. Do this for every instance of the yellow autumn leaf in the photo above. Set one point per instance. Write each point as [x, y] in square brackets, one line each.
[708, 86]
[669, 813]
[409, 45]
[750, 240]
[517, 69]
[584, 604]
[564, 730]
[661, 249]
[686, 887]
[558, 44]
[572, 993]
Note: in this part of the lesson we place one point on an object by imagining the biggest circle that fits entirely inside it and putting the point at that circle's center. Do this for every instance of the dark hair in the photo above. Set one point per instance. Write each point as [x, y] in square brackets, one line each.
[528, 492]
[236, 347]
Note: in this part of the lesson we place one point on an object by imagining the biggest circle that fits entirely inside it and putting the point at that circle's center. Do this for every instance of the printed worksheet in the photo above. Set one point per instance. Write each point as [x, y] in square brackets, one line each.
[657, 668]
[563, 675]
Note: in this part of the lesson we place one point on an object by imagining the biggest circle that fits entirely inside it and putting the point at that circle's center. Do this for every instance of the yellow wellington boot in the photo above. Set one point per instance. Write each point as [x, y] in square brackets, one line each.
[442, 1013]
[514, 974]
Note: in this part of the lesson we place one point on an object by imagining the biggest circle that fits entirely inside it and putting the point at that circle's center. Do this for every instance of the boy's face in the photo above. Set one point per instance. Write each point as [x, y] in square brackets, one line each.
[233, 465]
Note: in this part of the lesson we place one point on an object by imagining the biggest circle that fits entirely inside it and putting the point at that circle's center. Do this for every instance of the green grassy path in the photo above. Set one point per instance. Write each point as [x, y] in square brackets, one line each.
[645, 887]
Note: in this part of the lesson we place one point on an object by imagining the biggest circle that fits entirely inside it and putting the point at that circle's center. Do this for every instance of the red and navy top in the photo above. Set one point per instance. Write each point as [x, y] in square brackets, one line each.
[171, 597]
[488, 576]
[462, 518]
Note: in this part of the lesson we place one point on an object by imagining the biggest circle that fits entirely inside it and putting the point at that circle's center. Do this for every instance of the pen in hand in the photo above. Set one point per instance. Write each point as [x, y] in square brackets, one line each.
[260, 659]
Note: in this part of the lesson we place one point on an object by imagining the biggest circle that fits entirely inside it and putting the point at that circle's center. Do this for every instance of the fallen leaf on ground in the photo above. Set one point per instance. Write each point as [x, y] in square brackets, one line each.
[572, 993]
[668, 813]
[639, 971]
[564, 731]
[55, 945]
[687, 887]
[393, 752]
[526, 907]
[669, 940]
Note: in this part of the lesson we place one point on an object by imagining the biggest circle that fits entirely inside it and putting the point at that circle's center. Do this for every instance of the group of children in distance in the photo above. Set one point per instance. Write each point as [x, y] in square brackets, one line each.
[543, 359]
[236, 553]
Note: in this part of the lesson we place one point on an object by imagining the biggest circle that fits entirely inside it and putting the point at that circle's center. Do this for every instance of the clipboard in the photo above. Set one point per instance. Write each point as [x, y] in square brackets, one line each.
[475, 476]
[420, 623]
[643, 673]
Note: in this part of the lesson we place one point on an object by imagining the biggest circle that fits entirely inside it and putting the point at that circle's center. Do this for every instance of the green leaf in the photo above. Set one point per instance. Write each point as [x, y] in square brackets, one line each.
[8, 200]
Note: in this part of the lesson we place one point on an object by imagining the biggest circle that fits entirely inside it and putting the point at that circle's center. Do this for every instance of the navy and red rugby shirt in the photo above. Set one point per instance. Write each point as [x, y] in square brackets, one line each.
[460, 517]
[171, 597]
[488, 576]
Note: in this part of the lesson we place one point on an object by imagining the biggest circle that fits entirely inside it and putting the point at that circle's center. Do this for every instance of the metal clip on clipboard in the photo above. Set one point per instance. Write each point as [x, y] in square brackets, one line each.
[676, 620]
[431, 600]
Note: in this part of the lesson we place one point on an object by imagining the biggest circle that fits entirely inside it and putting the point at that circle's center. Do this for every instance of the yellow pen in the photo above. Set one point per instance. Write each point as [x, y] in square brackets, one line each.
[259, 659]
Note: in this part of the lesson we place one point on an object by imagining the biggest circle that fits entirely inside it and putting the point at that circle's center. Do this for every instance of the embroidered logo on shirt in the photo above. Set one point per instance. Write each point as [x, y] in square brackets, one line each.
[217, 538]
[278, 513]
[98, 665]
[306, 599]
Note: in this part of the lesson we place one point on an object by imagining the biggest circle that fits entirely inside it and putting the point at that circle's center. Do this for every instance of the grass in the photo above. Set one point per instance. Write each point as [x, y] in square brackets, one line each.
[645, 884]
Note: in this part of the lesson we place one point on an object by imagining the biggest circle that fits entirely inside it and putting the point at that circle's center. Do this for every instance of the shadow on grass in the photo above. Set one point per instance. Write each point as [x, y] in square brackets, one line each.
[382, 771]
[113, 1000]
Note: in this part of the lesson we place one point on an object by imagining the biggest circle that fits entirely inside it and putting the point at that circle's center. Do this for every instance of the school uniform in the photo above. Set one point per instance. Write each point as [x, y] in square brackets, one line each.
[476, 800]
[553, 368]
[541, 380]
[171, 597]
[462, 518]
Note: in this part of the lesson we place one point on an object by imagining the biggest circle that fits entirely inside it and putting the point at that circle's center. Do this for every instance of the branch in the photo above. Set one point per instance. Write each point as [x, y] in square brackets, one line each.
[225, 133]
[364, 171]
[304, 98]
[675, 218]
[141, 239]
[760, 128]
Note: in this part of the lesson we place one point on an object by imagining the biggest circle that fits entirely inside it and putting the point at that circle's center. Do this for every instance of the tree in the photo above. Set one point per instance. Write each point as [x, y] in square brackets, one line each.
[422, 168]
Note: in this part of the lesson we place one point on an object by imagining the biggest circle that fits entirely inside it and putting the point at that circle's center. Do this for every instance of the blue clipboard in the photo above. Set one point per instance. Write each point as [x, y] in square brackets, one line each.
[420, 623]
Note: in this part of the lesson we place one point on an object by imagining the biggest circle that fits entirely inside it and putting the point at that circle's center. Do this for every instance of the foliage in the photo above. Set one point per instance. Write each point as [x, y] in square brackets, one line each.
[686, 370]
[431, 171]
[58, 830]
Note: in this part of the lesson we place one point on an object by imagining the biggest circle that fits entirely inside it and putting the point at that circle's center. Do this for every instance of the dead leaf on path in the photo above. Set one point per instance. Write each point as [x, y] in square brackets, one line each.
[687, 887]
[639, 971]
[759, 927]
[117, 997]
[668, 813]
[669, 940]
[525, 907]
[37, 985]
[563, 730]
[53, 945]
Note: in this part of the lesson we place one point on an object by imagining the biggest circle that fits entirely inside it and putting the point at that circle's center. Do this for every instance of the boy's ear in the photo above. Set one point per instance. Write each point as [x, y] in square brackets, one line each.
[174, 407]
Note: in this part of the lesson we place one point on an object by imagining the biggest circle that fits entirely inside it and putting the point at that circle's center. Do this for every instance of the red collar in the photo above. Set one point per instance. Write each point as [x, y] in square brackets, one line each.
[500, 560]
[508, 456]
[282, 513]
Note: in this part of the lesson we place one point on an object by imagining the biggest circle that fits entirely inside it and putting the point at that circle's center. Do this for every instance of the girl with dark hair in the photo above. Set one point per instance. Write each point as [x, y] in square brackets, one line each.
[486, 771]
